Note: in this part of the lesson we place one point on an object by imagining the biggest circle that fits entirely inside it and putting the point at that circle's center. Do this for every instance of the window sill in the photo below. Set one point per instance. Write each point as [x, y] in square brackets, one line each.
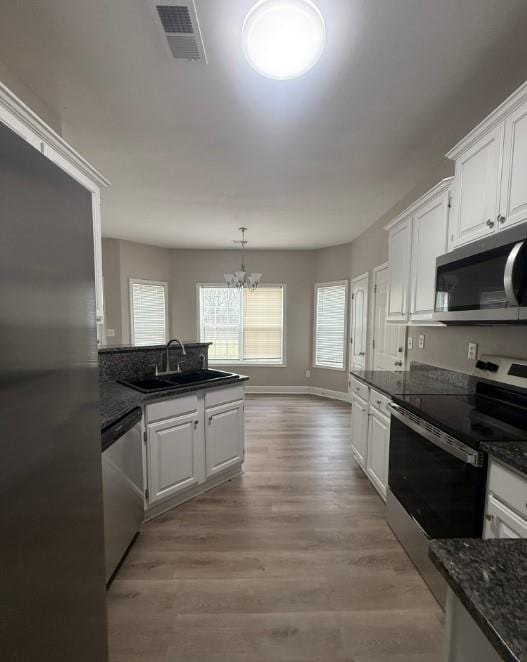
[247, 364]
[327, 367]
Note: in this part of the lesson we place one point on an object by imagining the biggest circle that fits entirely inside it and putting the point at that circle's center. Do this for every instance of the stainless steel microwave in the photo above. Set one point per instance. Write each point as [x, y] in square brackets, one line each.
[484, 282]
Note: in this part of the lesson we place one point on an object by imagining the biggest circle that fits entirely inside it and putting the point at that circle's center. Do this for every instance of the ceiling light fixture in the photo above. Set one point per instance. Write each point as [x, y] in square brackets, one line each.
[242, 279]
[283, 38]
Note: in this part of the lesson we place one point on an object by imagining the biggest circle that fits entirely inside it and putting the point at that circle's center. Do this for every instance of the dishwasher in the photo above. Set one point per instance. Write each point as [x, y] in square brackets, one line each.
[122, 484]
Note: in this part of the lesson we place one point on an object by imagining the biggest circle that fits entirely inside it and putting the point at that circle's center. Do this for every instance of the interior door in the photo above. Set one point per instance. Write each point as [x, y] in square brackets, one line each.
[359, 323]
[388, 339]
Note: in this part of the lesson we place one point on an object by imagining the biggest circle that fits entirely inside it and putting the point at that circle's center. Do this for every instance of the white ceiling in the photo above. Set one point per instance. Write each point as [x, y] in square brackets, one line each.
[194, 151]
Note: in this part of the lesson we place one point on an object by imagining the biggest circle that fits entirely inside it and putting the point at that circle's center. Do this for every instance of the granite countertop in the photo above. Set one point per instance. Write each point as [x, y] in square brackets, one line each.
[490, 579]
[117, 399]
[416, 381]
[513, 453]
[116, 349]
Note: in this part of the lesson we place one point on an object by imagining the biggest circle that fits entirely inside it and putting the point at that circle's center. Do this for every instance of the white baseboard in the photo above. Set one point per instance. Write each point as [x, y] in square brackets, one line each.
[300, 390]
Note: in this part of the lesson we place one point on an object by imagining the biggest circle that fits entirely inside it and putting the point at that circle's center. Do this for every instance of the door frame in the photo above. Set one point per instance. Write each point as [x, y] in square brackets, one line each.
[364, 276]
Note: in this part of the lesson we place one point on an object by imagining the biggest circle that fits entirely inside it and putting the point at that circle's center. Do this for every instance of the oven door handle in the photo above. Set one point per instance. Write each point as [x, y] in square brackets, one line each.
[437, 437]
[508, 275]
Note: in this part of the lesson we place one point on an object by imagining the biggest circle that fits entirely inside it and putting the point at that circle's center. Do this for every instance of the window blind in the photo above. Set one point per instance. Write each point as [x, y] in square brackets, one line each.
[330, 325]
[243, 325]
[149, 312]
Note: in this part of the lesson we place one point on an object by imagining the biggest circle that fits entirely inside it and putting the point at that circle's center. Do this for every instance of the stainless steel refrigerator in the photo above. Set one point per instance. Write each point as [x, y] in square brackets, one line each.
[52, 588]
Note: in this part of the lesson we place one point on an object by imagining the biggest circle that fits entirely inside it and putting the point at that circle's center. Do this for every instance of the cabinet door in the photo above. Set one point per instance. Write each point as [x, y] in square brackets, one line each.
[501, 522]
[378, 447]
[359, 429]
[224, 446]
[476, 190]
[399, 247]
[513, 202]
[429, 240]
[175, 456]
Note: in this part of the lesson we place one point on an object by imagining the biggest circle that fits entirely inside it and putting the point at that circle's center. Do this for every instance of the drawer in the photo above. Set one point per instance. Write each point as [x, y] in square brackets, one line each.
[508, 487]
[220, 396]
[380, 402]
[184, 404]
[360, 389]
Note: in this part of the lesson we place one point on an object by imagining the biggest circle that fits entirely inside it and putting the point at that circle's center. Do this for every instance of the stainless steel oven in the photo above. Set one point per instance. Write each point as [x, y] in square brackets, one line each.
[436, 490]
[485, 281]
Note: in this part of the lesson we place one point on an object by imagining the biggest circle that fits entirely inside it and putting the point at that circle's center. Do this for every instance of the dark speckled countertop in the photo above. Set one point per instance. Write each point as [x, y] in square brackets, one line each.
[490, 579]
[513, 453]
[117, 400]
[419, 380]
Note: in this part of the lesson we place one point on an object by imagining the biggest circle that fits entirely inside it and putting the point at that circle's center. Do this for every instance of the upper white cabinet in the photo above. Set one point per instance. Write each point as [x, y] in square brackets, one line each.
[416, 238]
[490, 191]
[400, 241]
[429, 240]
[21, 119]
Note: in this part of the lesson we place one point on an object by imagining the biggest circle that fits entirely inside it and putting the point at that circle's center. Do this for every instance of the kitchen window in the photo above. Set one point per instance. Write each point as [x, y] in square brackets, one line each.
[148, 312]
[330, 325]
[245, 326]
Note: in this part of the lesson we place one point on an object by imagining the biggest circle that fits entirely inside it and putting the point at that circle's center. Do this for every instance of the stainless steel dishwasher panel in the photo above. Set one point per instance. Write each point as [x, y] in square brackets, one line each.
[123, 492]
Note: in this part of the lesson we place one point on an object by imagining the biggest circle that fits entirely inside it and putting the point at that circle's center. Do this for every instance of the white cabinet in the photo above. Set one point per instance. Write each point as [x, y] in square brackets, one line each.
[378, 449]
[175, 456]
[513, 201]
[416, 238]
[491, 171]
[502, 522]
[359, 429]
[506, 506]
[399, 239]
[429, 241]
[224, 437]
[21, 119]
[476, 189]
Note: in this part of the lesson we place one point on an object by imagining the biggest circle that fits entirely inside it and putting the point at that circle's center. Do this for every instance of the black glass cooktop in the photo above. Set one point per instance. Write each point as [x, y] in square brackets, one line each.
[490, 414]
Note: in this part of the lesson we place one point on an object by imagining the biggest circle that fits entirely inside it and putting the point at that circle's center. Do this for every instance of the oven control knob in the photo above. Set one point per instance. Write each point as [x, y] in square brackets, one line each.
[481, 365]
[492, 367]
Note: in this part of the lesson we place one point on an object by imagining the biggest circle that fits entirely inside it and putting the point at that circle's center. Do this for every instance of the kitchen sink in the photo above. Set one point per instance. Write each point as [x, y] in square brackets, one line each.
[172, 381]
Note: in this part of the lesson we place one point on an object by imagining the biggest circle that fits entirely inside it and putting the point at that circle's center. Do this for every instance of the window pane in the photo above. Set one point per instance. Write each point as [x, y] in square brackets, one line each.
[330, 325]
[149, 313]
[220, 322]
[263, 323]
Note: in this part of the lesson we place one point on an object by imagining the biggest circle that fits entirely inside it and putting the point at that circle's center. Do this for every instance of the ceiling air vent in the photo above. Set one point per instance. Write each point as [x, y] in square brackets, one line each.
[178, 22]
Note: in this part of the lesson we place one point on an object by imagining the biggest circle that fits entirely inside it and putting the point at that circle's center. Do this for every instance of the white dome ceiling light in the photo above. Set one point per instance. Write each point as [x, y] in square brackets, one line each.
[283, 39]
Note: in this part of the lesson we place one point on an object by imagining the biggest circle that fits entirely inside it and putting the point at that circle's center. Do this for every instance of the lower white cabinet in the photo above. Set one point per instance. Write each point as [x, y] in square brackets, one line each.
[359, 429]
[224, 437]
[175, 456]
[370, 433]
[506, 506]
[192, 442]
[378, 446]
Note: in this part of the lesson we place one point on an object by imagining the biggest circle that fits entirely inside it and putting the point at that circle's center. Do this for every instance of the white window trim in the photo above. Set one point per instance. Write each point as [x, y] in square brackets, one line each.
[329, 283]
[144, 281]
[249, 364]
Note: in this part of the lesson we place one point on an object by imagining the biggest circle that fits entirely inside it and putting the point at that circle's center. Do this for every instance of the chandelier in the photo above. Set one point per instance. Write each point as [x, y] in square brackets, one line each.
[242, 279]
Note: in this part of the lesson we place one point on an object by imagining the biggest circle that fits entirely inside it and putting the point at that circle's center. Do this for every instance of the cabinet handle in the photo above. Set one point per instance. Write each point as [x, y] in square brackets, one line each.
[399, 363]
[501, 218]
[490, 223]
[489, 517]
[379, 402]
[196, 423]
[210, 419]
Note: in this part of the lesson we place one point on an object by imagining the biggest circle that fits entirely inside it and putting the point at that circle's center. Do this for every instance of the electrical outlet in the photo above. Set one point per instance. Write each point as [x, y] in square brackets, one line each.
[110, 333]
[421, 341]
[308, 373]
[472, 353]
[410, 342]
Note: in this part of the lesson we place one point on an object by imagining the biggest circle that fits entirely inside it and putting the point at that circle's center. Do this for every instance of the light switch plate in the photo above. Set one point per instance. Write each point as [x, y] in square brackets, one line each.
[410, 342]
[472, 353]
[308, 373]
[421, 341]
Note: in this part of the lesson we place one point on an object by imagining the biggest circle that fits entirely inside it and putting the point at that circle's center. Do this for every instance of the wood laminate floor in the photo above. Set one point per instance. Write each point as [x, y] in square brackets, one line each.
[292, 562]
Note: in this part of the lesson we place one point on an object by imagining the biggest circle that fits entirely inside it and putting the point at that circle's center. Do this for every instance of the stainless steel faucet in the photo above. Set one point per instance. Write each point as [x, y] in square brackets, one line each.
[183, 352]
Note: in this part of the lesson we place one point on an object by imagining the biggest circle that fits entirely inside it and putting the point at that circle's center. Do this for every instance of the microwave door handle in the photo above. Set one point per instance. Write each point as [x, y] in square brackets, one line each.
[508, 276]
